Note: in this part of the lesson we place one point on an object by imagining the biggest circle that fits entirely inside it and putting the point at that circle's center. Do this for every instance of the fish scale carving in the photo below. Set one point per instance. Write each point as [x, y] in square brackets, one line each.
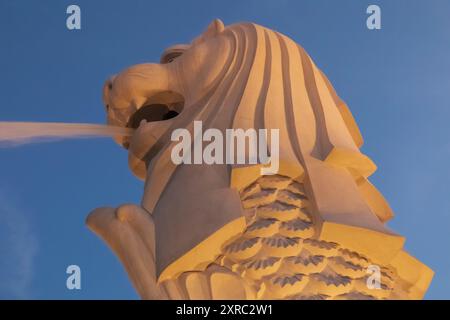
[278, 256]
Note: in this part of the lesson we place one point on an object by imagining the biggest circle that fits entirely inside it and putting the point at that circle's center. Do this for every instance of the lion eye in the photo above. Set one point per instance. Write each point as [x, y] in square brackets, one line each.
[168, 58]
[172, 53]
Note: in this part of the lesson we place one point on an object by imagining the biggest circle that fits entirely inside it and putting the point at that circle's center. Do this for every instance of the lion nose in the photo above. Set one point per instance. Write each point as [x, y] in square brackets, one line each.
[109, 84]
[107, 87]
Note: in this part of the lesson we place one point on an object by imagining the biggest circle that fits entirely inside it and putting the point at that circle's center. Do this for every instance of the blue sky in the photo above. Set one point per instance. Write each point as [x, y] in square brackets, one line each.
[395, 80]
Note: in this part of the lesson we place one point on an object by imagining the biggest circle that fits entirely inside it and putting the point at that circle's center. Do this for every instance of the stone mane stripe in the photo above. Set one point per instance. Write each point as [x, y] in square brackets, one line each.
[323, 146]
[288, 103]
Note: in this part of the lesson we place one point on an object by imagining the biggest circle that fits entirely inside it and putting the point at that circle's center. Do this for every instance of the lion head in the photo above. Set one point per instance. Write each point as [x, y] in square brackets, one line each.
[241, 76]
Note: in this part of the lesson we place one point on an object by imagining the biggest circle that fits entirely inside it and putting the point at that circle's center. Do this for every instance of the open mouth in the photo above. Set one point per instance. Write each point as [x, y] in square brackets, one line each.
[161, 107]
[150, 113]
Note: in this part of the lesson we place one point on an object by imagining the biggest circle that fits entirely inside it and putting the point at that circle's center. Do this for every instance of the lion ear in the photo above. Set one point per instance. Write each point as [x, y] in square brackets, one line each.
[215, 27]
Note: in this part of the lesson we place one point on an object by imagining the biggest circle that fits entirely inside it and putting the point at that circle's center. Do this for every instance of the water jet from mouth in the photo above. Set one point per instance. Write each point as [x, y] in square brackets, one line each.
[19, 133]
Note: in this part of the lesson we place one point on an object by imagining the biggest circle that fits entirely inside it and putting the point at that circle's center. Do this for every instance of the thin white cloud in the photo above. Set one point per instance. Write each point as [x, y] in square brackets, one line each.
[18, 249]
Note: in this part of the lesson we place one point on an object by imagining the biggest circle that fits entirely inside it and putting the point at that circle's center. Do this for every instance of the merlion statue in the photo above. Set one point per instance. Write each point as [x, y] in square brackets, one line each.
[314, 230]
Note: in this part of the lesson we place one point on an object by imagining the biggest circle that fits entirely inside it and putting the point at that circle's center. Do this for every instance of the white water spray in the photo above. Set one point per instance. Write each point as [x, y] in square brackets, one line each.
[18, 133]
